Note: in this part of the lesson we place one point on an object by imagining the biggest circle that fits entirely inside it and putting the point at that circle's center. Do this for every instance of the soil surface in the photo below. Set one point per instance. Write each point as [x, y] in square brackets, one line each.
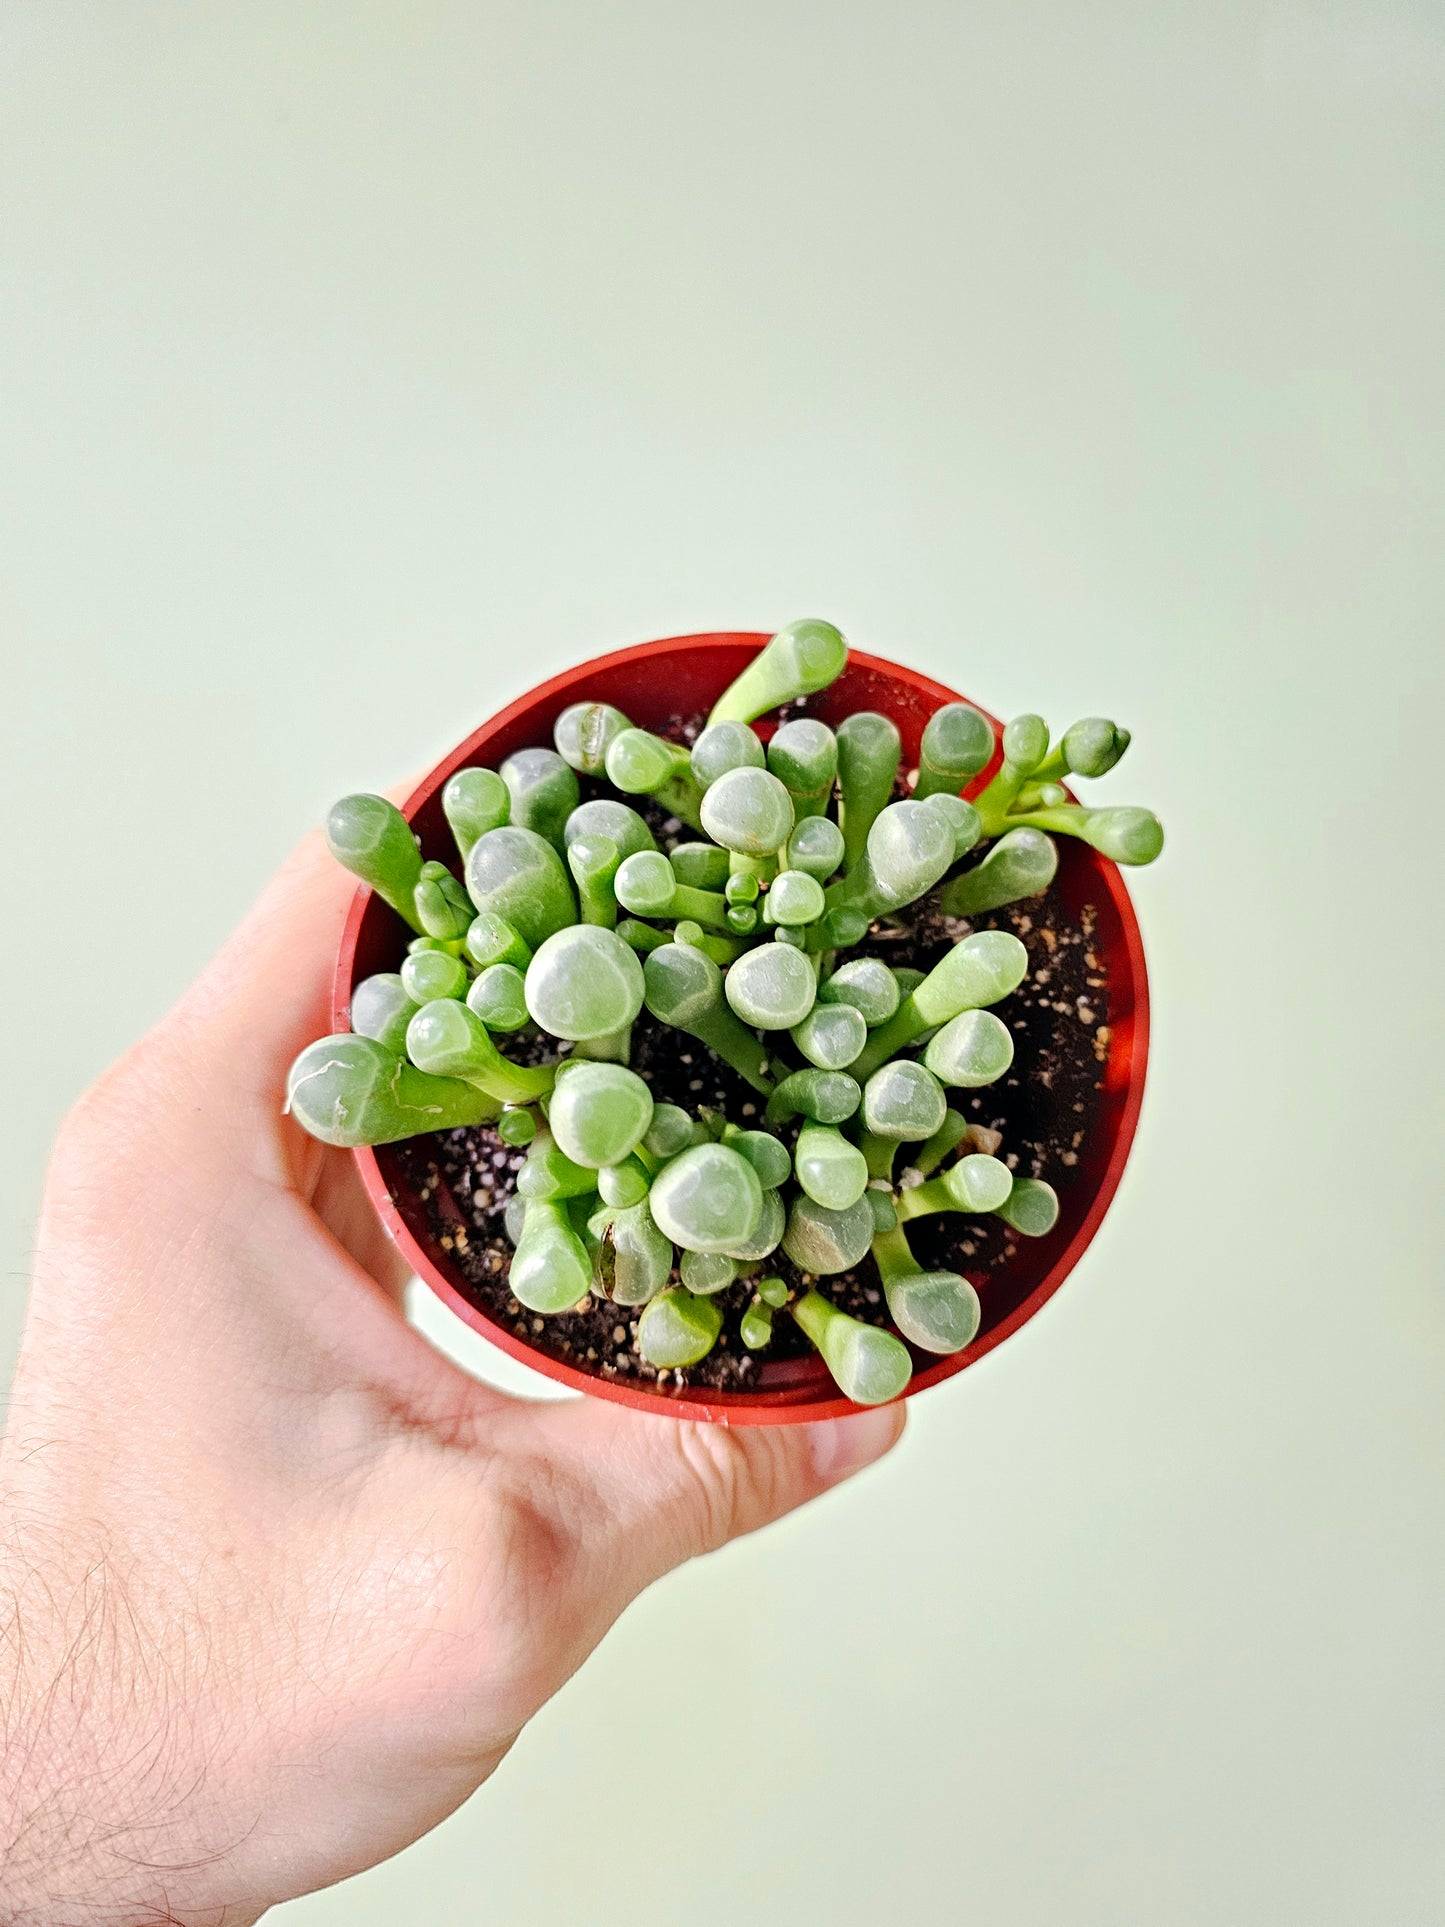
[1042, 1112]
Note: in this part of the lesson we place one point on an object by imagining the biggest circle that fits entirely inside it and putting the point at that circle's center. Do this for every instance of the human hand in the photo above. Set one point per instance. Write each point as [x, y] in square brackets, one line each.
[279, 1584]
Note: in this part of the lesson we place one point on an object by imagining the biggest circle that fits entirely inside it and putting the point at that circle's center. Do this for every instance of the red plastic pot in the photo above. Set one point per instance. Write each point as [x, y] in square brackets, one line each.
[651, 682]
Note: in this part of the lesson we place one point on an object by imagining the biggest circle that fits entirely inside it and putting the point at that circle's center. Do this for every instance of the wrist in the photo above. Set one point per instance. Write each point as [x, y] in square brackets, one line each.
[102, 1815]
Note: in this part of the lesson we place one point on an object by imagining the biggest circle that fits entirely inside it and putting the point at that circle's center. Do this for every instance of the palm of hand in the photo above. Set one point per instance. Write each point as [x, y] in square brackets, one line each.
[285, 1582]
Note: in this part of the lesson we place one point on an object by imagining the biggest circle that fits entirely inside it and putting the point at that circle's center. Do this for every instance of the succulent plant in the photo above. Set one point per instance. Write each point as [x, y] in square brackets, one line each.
[580, 912]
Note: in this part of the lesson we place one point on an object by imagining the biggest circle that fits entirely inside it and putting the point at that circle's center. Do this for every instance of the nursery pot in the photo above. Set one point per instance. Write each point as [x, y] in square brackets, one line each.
[652, 682]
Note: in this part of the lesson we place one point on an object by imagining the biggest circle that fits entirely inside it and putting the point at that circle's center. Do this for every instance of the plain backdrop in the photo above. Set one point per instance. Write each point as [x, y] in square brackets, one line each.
[362, 364]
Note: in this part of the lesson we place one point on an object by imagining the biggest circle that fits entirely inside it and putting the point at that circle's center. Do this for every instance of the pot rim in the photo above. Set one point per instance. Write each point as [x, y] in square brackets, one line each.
[761, 1407]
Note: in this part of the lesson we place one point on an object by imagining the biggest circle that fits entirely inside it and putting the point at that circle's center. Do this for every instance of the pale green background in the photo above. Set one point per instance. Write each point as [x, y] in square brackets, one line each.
[363, 364]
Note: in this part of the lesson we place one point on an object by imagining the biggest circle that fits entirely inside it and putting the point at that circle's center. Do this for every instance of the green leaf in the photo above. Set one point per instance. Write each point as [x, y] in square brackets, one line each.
[371, 838]
[1021, 864]
[599, 1113]
[801, 659]
[584, 982]
[831, 1171]
[870, 1366]
[351, 1090]
[957, 743]
[748, 810]
[473, 802]
[824, 1241]
[382, 1009]
[516, 874]
[708, 1198]
[676, 1329]
[499, 997]
[723, 747]
[903, 1100]
[973, 1049]
[584, 732]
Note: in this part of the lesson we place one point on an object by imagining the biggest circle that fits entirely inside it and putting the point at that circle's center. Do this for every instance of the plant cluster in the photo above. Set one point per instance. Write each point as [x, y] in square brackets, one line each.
[570, 919]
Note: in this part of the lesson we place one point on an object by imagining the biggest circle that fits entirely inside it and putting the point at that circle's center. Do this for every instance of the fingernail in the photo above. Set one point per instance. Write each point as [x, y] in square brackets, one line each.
[843, 1446]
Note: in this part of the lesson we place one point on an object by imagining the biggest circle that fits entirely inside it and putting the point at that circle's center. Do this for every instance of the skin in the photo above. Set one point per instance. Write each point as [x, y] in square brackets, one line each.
[279, 1584]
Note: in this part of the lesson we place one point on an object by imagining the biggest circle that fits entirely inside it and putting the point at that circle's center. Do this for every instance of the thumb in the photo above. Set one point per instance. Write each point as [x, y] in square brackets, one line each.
[650, 1492]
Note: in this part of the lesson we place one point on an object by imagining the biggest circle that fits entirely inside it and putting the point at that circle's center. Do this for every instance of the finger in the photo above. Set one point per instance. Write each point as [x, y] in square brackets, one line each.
[339, 1199]
[649, 1493]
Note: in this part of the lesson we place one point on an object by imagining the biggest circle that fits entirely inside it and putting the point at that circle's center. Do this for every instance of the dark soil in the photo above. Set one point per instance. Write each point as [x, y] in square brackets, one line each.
[1042, 1112]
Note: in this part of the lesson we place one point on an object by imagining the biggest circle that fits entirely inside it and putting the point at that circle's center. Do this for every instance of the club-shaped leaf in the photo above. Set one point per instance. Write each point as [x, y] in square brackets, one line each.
[705, 1272]
[547, 1172]
[634, 1258]
[594, 862]
[803, 755]
[583, 733]
[584, 983]
[830, 1169]
[868, 985]
[349, 1090]
[772, 987]
[979, 970]
[491, 939]
[647, 885]
[473, 802]
[624, 1184]
[707, 1198]
[1093, 745]
[822, 1241]
[429, 974]
[964, 822]
[677, 1329]
[516, 874]
[831, 1036]
[801, 659]
[1123, 834]
[447, 1039]
[938, 1311]
[684, 988]
[909, 847]
[605, 816]
[815, 846]
[973, 1049]
[551, 1271]
[641, 764]
[371, 838]
[903, 1100]
[794, 899]
[725, 746]
[517, 1126]
[599, 1113]
[976, 1183]
[767, 1234]
[828, 1097]
[766, 1154]
[1032, 1207]
[544, 791]
[443, 908]
[755, 1327]
[499, 998]
[702, 866]
[748, 810]
[1020, 864]
[869, 747]
[957, 742]
[381, 1008]
[1025, 748]
[669, 1132]
[869, 1365]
